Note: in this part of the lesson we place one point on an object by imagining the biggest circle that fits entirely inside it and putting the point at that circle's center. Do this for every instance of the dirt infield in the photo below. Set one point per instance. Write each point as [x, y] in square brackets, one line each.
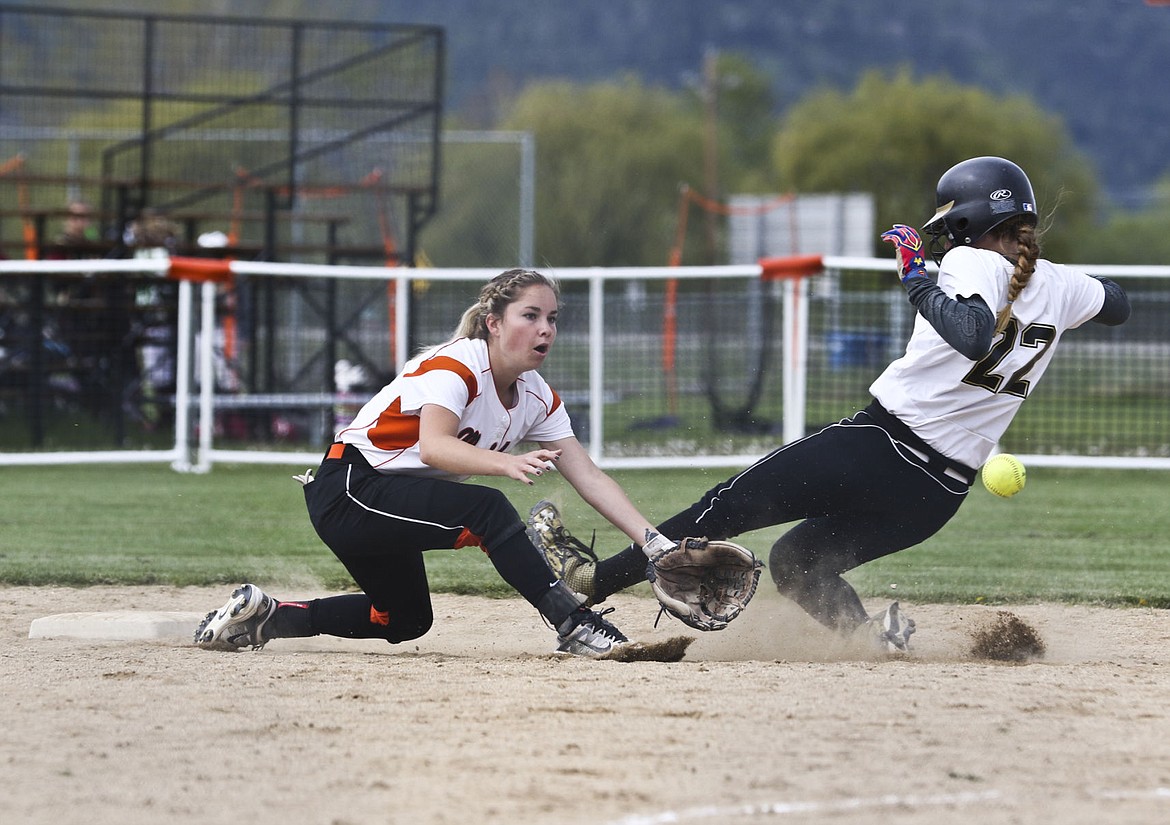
[770, 720]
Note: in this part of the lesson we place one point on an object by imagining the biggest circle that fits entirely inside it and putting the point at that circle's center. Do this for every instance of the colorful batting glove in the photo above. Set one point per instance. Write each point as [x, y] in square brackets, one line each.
[908, 245]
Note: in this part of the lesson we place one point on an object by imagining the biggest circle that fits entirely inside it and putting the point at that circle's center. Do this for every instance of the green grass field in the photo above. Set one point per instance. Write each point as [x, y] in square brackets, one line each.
[1087, 536]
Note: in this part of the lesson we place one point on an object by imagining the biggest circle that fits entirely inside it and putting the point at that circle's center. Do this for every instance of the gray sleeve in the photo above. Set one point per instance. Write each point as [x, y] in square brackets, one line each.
[967, 324]
[1116, 308]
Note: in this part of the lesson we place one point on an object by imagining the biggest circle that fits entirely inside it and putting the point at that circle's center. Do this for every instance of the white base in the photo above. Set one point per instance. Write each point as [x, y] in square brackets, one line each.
[117, 625]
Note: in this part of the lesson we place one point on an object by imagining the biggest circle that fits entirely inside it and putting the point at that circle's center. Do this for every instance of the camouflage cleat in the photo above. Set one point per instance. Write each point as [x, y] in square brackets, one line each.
[569, 559]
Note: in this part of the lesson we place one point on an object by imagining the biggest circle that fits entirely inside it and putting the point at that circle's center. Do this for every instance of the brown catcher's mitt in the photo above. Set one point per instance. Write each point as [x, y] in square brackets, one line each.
[704, 584]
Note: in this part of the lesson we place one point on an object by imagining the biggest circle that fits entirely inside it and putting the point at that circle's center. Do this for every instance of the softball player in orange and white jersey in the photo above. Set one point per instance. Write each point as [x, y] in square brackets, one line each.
[456, 376]
[893, 474]
[391, 486]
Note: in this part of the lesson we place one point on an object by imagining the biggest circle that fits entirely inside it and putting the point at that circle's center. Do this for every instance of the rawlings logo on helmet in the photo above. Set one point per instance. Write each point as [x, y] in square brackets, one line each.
[974, 197]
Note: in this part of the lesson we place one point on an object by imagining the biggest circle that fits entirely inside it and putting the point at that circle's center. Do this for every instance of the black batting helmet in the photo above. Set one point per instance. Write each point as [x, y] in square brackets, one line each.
[977, 195]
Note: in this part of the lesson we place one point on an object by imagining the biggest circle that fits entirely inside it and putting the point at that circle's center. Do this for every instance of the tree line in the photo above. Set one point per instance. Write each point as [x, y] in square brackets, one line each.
[611, 157]
[613, 154]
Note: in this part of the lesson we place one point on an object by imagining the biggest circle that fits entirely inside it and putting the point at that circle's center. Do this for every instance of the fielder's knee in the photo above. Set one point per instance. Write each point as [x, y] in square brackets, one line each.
[407, 627]
[414, 628]
[401, 626]
[795, 575]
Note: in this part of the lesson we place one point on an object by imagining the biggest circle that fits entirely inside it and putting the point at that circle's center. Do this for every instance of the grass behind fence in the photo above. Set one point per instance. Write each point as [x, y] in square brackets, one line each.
[1073, 535]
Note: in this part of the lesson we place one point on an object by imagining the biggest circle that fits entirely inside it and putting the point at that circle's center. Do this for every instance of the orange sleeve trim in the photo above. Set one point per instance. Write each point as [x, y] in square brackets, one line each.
[556, 401]
[394, 429]
[446, 362]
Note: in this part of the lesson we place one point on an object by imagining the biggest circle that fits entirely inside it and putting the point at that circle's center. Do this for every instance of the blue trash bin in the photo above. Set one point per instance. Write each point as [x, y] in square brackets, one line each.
[855, 349]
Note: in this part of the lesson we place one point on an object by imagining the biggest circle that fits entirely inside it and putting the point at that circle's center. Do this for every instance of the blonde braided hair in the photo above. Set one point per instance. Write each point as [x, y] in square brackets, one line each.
[496, 295]
[1028, 252]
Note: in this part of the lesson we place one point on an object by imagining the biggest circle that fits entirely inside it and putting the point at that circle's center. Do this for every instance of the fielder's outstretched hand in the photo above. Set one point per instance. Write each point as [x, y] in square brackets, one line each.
[908, 245]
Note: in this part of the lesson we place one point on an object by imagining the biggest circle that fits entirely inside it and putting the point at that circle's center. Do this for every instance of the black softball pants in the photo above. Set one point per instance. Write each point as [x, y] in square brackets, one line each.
[379, 525]
[858, 492]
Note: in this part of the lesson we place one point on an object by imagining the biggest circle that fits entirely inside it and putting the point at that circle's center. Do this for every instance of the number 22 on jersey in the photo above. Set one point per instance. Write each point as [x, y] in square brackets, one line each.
[984, 374]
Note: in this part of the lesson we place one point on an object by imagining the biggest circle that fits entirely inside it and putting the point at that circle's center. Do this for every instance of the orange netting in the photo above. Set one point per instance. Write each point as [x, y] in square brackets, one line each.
[246, 180]
[687, 197]
[15, 166]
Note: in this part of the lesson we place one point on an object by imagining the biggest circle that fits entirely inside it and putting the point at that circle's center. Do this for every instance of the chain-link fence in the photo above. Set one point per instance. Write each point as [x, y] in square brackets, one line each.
[650, 367]
[282, 139]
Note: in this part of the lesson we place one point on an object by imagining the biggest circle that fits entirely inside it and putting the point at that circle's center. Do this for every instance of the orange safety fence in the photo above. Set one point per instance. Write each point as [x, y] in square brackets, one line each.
[791, 266]
[200, 269]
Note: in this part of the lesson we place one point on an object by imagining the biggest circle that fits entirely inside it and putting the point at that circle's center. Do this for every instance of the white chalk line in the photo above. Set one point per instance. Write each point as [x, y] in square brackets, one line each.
[838, 806]
[1153, 793]
[786, 808]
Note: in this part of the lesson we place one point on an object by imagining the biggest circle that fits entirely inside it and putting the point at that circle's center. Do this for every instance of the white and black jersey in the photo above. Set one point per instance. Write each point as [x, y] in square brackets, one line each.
[962, 407]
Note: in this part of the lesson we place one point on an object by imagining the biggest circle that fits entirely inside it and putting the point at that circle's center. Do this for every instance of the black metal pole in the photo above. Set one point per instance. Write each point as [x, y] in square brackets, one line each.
[294, 113]
[331, 313]
[147, 110]
[269, 291]
[36, 349]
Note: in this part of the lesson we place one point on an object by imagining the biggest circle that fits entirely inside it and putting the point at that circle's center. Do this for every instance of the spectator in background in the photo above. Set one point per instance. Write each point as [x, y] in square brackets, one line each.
[83, 332]
[79, 237]
[151, 235]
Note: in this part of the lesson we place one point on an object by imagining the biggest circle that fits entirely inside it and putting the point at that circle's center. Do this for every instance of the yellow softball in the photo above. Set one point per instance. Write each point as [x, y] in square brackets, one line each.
[1004, 475]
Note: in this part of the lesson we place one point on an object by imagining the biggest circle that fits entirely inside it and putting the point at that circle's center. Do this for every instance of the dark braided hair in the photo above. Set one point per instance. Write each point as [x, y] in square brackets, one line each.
[1028, 245]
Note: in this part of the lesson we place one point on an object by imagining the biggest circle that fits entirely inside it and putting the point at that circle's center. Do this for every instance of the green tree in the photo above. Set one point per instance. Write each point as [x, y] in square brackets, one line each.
[894, 136]
[1134, 236]
[745, 123]
[610, 158]
[477, 223]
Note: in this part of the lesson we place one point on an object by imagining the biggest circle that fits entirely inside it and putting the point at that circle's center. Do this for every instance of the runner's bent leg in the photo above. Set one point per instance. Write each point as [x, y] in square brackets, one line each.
[899, 504]
[782, 486]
